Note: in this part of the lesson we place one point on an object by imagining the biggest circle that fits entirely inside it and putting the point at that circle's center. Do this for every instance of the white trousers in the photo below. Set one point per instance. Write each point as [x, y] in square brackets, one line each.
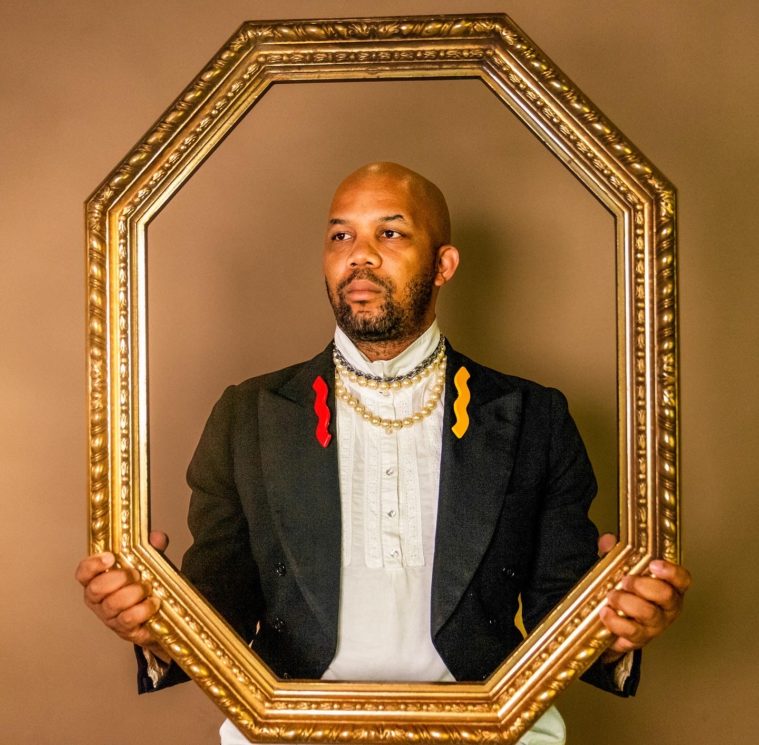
[548, 730]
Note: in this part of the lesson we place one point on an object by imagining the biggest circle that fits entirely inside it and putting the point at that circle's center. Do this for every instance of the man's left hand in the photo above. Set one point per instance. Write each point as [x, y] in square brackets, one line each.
[643, 606]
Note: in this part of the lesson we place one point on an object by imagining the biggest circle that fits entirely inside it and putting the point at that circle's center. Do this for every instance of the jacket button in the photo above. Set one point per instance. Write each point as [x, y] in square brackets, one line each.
[285, 675]
[508, 572]
[492, 621]
[278, 625]
[280, 569]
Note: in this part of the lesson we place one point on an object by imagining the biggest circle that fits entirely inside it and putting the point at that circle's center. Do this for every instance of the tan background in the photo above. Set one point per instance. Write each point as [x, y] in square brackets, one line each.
[81, 82]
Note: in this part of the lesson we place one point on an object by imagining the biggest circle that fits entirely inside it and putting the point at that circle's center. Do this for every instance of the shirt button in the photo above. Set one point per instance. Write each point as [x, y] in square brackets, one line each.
[395, 553]
[391, 513]
[389, 471]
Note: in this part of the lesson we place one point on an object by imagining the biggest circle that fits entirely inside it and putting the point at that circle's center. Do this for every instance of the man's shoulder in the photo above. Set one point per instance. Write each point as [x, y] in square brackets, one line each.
[489, 376]
[278, 379]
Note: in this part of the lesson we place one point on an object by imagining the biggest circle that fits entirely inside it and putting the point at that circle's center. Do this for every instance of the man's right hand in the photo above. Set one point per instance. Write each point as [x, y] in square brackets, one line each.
[119, 599]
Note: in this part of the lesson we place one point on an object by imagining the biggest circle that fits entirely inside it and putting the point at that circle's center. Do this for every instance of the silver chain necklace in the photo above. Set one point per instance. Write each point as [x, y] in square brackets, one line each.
[340, 361]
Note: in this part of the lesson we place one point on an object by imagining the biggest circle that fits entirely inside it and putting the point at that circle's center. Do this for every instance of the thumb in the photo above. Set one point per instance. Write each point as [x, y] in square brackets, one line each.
[158, 539]
[606, 543]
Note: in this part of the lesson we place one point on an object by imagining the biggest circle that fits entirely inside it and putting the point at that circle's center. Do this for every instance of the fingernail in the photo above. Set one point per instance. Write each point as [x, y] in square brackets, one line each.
[107, 559]
[657, 566]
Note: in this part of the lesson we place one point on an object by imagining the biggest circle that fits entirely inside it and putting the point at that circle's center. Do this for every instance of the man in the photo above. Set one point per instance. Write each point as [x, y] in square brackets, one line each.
[376, 512]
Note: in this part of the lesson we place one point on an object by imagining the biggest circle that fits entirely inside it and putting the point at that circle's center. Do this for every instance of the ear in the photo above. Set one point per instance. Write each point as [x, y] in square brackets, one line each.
[447, 263]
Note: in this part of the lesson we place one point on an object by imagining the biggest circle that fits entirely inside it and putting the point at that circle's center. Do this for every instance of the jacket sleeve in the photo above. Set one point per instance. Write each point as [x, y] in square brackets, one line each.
[219, 563]
[566, 541]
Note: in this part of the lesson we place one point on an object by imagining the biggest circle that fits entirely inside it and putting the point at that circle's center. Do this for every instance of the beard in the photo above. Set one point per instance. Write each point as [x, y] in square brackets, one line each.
[395, 319]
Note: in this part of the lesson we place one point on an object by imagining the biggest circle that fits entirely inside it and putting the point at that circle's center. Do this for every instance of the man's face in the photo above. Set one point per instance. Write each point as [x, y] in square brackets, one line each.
[379, 261]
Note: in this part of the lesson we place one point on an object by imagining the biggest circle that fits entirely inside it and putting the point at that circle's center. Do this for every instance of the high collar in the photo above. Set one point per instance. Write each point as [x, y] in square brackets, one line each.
[406, 361]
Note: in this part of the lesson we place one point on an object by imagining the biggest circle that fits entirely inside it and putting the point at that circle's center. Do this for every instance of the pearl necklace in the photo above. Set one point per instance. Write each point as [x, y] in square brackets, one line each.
[389, 425]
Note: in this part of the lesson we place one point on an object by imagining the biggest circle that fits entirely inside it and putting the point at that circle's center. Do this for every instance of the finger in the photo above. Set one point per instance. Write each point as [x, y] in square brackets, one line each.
[91, 566]
[654, 590]
[158, 539]
[140, 636]
[623, 646]
[129, 623]
[629, 633]
[606, 543]
[108, 582]
[676, 575]
[122, 600]
[639, 610]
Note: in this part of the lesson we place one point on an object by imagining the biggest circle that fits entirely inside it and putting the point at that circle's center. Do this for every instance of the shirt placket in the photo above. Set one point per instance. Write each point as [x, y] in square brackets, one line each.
[390, 510]
[411, 461]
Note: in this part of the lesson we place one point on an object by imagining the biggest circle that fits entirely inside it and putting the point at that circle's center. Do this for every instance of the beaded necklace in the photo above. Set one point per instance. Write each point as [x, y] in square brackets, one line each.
[436, 362]
[382, 382]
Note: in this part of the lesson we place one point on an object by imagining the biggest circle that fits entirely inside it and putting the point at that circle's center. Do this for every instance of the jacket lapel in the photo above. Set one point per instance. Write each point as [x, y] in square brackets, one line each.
[302, 485]
[474, 474]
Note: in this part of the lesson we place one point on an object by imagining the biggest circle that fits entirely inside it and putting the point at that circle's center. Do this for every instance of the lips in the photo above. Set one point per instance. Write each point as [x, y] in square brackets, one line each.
[361, 290]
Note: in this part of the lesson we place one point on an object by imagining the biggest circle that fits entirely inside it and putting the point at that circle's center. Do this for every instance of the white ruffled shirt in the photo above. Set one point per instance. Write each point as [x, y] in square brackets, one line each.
[389, 484]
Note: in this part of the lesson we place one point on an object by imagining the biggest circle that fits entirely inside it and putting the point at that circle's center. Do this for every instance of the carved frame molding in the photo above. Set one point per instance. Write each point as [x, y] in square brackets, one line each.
[490, 48]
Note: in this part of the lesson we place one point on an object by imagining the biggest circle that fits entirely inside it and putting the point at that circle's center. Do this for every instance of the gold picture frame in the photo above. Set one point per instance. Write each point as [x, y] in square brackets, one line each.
[490, 48]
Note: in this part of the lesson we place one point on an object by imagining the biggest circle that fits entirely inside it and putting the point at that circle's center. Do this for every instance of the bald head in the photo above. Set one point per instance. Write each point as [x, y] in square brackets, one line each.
[427, 198]
[386, 256]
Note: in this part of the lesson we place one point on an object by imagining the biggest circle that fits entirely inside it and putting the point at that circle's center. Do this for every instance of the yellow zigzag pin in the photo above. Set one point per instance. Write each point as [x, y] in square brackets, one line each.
[461, 402]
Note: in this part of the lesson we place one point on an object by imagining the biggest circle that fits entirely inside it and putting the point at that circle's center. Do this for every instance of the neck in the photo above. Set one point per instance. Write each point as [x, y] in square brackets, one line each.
[383, 350]
[377, 350]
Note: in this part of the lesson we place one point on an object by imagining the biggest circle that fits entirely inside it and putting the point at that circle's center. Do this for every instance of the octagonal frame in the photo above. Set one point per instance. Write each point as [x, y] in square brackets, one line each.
[490, 48]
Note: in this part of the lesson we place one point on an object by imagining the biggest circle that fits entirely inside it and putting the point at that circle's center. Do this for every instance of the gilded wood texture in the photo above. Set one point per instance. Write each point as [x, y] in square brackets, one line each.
[494, 50]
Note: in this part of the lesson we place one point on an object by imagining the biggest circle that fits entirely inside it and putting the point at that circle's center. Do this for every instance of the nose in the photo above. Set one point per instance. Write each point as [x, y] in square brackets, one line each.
[364, 253]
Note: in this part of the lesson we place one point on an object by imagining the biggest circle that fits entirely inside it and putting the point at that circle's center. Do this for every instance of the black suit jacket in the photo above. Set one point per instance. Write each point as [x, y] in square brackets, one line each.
[512, 520]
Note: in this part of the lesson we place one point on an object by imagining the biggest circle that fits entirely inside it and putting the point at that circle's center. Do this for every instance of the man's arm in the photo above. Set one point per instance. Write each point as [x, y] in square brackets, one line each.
[219, 563]
[566, 540]
[641, 608]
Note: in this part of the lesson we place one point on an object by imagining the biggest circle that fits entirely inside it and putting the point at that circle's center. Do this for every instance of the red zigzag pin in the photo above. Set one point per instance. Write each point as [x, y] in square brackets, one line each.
[321, 409]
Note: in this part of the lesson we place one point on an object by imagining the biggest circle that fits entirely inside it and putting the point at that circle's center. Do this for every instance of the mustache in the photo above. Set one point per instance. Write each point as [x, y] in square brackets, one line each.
[365, 274]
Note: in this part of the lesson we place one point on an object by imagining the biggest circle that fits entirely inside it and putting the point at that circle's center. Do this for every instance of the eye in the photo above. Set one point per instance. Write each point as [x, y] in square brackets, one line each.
[341, 236]
[388, 233]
